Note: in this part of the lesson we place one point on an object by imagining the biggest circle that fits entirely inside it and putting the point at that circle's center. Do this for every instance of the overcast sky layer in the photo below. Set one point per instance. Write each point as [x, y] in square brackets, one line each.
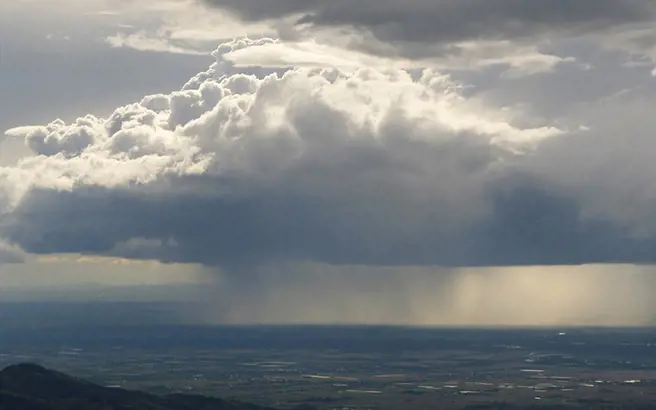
[449, 21]
[378, 134]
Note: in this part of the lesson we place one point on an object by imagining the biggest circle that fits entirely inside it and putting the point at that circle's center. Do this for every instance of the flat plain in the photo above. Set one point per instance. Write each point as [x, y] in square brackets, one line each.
[337, 367]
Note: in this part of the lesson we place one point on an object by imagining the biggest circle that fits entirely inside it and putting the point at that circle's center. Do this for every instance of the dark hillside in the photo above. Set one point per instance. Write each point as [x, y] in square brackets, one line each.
[32, 387]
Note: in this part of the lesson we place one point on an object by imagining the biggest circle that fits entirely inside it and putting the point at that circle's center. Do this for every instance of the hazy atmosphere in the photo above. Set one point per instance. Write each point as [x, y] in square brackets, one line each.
[427, 162]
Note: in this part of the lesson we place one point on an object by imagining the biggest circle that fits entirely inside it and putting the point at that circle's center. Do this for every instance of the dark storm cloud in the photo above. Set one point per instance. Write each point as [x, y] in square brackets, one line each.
[529, 224]
[443, 21]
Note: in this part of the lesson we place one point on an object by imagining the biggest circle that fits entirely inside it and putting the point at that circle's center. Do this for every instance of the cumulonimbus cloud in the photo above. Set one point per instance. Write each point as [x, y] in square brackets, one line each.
[364, 166]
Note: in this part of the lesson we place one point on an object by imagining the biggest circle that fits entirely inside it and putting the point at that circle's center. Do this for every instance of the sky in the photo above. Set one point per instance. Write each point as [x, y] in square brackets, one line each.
[419, 162]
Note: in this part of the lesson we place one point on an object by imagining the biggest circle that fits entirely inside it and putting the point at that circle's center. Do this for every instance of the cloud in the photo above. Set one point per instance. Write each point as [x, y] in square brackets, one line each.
[639, 44]
[191, 27]
[143, 42]
[10, 253]
[362, 165]
[528, 37]
[184, 27]
[449, 21]
[520, 61]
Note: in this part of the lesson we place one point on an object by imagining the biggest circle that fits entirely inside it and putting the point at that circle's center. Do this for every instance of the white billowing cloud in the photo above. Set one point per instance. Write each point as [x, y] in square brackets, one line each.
[59, 138]
[198, 127]
[358, 165]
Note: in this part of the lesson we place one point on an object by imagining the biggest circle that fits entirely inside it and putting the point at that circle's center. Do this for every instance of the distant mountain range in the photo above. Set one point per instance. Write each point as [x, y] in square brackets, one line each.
[32, 387]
